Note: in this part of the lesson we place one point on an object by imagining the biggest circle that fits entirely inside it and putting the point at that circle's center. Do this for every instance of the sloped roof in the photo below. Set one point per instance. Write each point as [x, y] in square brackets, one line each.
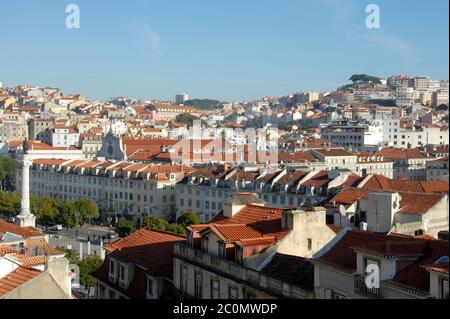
[291, 269]
[242, 199]
[16, 279]
[6, 227]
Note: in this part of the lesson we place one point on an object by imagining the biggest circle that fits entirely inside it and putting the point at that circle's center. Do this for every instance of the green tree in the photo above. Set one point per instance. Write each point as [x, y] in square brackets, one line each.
[188, 219]
[87, 209]
[47, 209]
[9, 204]
[8, 168]
[176, 229]
[87, 267]
[355, 78]
[153, 222]
[71, 255]
[68, 215]
[204, 104]
[124, 227]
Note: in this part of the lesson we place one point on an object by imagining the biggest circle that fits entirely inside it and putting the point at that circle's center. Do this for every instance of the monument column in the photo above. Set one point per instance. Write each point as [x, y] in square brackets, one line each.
[25, 218]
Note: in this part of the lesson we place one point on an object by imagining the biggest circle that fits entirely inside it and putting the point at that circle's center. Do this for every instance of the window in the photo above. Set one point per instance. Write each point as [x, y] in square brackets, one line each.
[150, 287]
[222, 250]
[183, 279]
[205, 242]
[233, 293]
[215, 289]
[122, 272]
[444, 293]
[198, 286]
[112, 269]
[101, 292]
[310, 244]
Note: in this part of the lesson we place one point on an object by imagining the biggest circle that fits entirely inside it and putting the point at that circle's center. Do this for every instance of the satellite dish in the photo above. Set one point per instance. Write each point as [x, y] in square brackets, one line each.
[342, 210]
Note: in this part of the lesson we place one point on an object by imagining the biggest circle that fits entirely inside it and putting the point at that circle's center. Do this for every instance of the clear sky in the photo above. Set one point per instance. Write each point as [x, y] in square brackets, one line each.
[224, 49]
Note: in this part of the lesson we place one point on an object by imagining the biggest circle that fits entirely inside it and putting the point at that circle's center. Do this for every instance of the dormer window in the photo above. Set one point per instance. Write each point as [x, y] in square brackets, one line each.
[150, 287]
[222, 250]
[205, 243]
[112, 267]
[190, 239]
[238, 254]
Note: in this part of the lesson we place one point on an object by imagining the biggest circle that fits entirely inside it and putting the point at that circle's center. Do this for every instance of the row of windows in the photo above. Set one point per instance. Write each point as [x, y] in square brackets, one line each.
[102, 181]
[213, 193]
[233, 292]
[208, 205]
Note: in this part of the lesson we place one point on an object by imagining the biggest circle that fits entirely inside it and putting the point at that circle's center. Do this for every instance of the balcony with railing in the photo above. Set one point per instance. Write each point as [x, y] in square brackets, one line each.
[237, 272]
[362, 289]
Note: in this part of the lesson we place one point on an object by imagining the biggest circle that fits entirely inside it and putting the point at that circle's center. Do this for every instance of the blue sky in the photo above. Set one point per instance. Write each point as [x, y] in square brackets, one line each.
[224, 49]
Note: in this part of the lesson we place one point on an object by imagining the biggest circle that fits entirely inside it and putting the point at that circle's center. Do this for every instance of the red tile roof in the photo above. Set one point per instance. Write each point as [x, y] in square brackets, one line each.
[349, 196]
[334, 152]
[251, 223]
[16, 279]
[31, 261]
[298, 157]
[412, 203]
[25, 232]
[380, 182]
[318, 180]
[151, 250]
[397, 153]
[5, 250]
[416, 276]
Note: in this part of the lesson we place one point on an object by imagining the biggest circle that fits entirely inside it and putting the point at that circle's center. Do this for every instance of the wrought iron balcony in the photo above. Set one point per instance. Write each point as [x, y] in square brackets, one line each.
[362, 289]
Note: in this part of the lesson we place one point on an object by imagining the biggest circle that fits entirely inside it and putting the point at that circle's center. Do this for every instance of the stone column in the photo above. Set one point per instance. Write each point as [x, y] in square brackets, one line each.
[25, 218]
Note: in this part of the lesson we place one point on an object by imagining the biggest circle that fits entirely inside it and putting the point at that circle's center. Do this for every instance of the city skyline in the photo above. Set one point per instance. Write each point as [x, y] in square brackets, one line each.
[136, 51]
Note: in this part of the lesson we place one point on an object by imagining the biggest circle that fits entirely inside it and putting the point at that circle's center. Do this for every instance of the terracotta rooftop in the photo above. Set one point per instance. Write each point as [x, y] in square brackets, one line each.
[334, 152]
[25, 232]
[396, 153]
[16, 279]
[150, 250]
[380, 182]
[298, 157]
[414, 277]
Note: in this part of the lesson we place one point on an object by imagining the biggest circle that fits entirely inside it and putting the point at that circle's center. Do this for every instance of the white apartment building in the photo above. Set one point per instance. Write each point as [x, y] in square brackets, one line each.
[412, 138]
[347, 134]
[65, 136]
[120, 189]
[405, 213]
[341, 268]
[374, 94]
[226, 259]
[408, 163]
[404, 96]
[438, 170]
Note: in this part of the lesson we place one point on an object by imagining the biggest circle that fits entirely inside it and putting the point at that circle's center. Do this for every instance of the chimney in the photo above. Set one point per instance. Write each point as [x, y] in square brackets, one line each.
[297, 219]
[59, 269]
[238, 201]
